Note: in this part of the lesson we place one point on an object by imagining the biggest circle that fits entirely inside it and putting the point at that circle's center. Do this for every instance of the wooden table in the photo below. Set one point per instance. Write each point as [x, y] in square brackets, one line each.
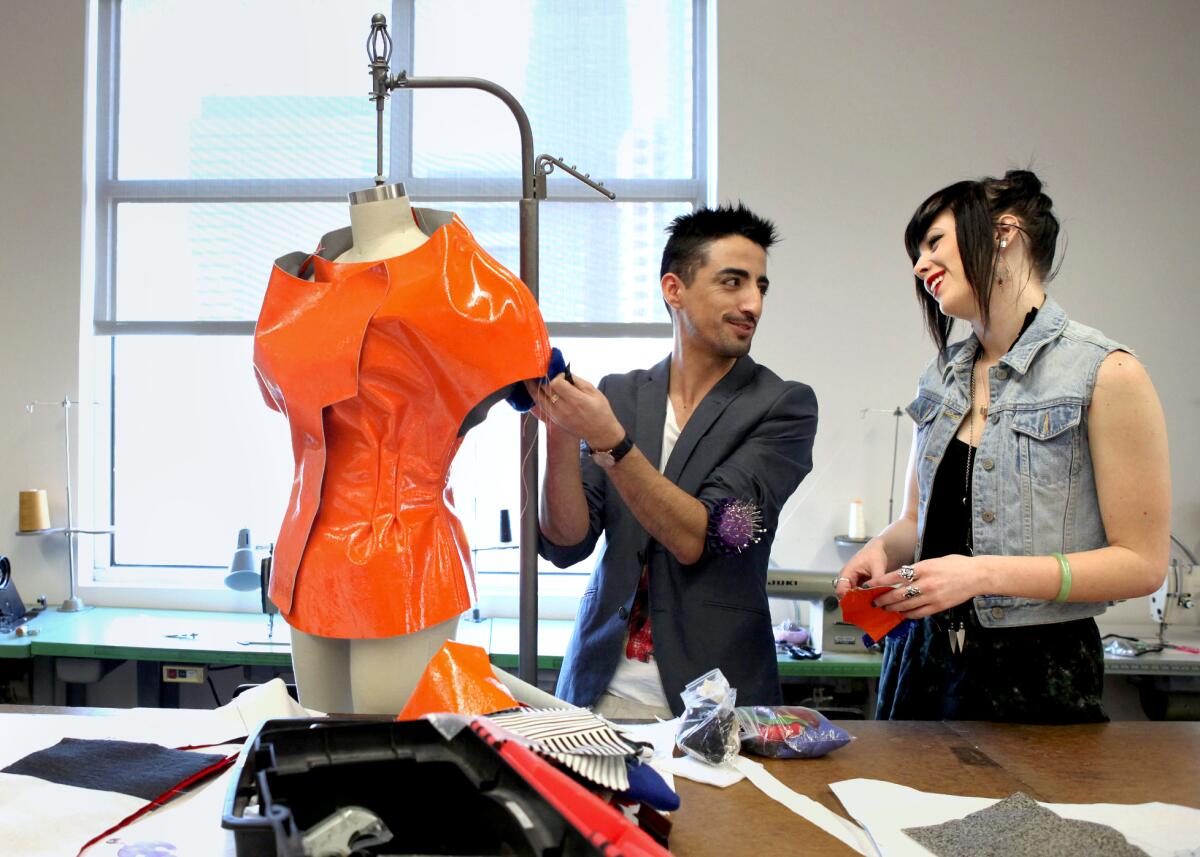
[1125, 762]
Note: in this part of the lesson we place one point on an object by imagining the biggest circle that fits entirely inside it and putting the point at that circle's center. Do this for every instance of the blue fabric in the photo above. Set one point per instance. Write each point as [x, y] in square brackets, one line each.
[648, 787]
[520, 399]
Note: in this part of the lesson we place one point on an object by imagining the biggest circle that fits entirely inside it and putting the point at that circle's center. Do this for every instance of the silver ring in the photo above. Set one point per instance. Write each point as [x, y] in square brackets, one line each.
[912, 591]
[907, 572]
[838, 580]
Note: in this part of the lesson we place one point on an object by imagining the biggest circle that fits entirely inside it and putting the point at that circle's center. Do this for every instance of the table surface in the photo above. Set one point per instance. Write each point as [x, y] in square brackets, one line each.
[1124, 762]
[118, 633]
[241, 638]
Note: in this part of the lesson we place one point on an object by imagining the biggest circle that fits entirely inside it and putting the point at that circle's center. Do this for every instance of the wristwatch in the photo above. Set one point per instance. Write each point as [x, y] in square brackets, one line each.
[606, 458]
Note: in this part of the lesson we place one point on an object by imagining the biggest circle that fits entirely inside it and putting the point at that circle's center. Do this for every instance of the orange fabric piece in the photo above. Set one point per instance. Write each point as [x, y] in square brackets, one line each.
[375, 365]
[857, 609]
[458, 680]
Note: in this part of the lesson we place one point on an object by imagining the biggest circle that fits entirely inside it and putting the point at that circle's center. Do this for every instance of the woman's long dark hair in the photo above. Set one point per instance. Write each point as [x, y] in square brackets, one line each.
[977, 207]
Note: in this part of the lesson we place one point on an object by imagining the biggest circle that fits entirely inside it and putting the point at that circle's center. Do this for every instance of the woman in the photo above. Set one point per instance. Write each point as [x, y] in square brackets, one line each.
[1038, 487]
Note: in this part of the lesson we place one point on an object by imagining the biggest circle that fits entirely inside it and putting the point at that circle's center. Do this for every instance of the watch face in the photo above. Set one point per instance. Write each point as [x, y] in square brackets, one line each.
[604, 459]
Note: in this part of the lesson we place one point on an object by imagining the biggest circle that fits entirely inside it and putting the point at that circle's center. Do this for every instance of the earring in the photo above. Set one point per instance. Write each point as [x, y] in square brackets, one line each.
[1003, 243]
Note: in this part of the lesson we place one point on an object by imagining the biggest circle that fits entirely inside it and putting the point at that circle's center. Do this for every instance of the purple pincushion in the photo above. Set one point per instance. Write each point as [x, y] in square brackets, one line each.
[734, 525]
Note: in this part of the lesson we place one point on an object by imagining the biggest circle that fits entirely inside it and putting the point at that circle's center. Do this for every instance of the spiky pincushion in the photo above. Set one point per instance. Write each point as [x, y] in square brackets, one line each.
[734, 525]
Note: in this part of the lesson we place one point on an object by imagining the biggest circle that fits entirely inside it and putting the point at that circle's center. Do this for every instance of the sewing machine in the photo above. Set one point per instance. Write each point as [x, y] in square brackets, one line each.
[829, 632]
[13, 614]
[1175, 597]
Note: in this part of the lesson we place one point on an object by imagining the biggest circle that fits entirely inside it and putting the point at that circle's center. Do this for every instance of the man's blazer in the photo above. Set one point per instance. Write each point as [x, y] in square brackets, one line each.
[749, 439]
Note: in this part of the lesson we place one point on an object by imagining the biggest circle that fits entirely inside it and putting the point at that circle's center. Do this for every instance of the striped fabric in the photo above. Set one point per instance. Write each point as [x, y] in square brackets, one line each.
[578, 739]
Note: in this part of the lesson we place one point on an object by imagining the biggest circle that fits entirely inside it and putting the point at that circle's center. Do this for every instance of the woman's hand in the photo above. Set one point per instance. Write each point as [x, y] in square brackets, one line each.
[869, 563]
[939, 583]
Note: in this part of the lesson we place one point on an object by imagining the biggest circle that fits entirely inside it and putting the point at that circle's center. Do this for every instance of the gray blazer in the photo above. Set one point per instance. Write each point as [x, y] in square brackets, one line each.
[749, 439]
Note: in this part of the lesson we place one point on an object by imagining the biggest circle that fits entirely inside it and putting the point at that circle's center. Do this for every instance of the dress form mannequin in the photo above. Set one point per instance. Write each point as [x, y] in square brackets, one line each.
[377, 675]
[382, 223]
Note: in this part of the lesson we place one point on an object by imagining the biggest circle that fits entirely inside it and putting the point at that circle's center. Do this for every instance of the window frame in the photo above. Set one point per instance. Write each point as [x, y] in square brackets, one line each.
[111, 191]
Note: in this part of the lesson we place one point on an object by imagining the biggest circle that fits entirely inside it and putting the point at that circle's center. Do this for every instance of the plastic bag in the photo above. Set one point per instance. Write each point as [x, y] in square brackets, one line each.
[788, 732]
[708, 729]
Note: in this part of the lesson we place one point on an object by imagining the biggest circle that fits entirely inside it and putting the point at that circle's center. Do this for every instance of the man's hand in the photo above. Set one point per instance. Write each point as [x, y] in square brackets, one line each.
[580, 410]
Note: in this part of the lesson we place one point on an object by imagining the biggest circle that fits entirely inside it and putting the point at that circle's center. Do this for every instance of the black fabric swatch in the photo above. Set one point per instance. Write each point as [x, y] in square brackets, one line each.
[139, 770]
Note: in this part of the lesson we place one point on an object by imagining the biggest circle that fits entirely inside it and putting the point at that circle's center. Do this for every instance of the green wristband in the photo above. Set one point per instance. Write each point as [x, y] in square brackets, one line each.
[1064, 572]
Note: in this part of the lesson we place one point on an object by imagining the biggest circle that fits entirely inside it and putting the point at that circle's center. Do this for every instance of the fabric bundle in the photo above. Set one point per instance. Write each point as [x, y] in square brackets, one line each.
[577, 739]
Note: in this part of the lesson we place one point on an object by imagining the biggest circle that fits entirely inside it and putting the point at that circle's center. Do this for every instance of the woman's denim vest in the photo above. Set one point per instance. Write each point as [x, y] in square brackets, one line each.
[1033, 488]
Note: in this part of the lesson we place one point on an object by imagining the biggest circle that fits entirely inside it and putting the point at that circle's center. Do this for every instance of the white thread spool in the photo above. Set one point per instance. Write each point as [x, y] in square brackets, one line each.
[856, 527]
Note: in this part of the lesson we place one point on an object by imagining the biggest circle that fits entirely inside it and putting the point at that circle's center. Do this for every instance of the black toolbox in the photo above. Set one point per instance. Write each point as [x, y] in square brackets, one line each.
[307, 787]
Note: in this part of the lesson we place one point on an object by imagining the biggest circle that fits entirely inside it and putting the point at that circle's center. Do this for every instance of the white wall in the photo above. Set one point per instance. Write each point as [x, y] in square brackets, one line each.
[42, 97]
[838, 118]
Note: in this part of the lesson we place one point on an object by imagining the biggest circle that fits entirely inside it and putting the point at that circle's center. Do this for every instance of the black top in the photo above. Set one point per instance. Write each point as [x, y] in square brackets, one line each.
[948, 519]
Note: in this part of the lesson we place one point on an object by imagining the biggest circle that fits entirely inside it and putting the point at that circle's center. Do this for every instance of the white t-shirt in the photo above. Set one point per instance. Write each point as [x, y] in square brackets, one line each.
[634, 679]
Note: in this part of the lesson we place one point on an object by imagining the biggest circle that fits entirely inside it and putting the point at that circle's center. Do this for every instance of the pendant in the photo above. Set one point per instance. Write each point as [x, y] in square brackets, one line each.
[983, 411]
[958, 638]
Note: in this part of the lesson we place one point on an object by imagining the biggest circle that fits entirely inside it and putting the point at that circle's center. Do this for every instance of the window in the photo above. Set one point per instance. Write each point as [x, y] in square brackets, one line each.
[230, 132]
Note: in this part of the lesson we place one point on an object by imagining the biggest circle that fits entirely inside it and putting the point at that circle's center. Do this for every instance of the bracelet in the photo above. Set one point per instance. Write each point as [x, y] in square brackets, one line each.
[1064, 573]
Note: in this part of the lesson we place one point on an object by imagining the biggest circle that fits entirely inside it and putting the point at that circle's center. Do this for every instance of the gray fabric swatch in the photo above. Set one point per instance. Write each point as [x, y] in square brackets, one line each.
[1019, 825]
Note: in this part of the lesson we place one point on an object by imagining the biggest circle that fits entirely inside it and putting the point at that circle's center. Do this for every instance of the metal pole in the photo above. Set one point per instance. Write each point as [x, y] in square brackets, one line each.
[895, 454]
[528, 582]
[403, 81]
[74, 603]
[379, 50]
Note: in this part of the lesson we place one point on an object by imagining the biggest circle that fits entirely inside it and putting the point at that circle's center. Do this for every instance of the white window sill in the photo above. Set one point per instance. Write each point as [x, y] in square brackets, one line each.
[204, 589]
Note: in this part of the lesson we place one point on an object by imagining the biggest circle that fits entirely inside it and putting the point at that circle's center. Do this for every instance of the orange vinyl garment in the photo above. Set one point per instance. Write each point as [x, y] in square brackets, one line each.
[378, 366]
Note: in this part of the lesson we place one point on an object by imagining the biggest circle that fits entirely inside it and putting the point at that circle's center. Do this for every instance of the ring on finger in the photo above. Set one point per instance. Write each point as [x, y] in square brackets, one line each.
[907, 572]
[554, 397]
[912, 591]
[838, 580]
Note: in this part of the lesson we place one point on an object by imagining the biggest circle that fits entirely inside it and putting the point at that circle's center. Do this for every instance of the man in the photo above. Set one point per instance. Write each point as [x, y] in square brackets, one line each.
[684, 468]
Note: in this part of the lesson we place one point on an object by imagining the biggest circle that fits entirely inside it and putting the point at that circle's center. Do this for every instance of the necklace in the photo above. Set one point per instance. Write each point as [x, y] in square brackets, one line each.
[957, 632]
[970, 449]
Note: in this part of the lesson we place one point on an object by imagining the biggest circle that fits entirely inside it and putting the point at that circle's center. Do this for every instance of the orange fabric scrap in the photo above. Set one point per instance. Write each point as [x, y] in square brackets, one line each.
[857, 609]
[459, 680]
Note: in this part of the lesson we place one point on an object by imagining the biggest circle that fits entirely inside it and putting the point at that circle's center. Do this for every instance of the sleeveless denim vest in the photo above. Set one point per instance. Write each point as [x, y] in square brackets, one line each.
[1034, 490]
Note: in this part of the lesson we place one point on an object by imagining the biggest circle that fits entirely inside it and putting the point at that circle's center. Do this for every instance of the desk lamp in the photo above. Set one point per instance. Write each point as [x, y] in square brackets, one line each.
[244, 576]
